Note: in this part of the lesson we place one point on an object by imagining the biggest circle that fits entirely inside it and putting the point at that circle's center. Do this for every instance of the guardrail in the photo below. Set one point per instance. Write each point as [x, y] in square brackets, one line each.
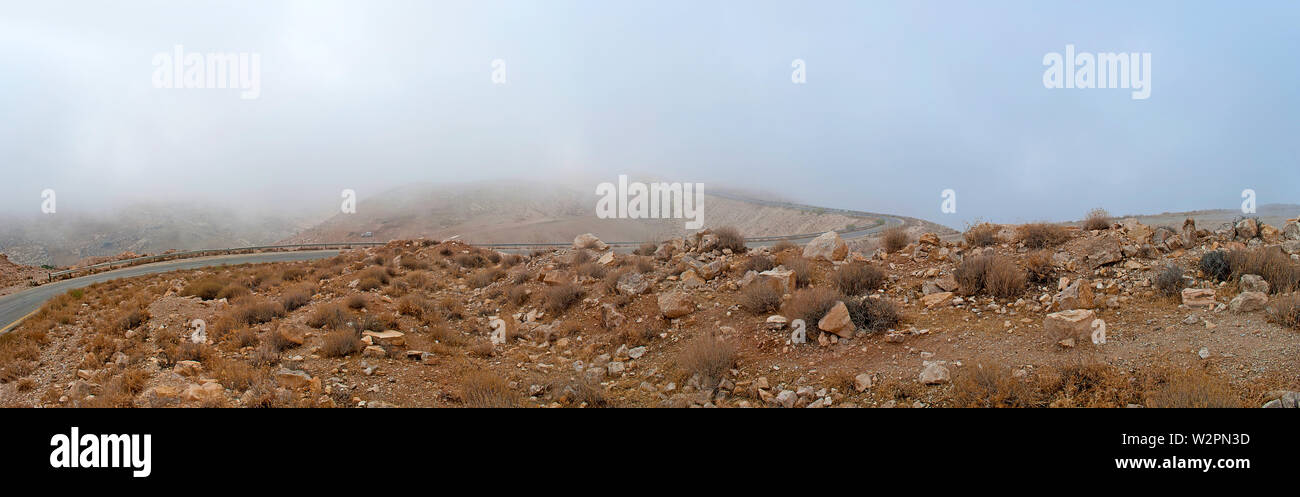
[186, 254]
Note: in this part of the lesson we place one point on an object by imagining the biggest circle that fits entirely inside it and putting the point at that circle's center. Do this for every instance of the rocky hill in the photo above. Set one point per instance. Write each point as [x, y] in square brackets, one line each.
[1017, 316]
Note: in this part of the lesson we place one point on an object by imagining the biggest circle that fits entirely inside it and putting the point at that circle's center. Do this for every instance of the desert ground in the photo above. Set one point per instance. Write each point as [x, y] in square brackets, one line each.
[1112, 314]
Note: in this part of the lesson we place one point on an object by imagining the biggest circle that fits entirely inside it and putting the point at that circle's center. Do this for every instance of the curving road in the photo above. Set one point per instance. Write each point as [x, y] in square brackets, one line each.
[16, 307]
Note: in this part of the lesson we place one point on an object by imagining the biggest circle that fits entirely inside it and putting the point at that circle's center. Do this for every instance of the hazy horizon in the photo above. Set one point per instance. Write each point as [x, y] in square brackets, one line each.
[901, 101]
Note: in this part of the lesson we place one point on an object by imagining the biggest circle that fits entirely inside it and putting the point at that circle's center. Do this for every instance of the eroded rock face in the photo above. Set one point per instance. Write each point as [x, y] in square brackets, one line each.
[1247, 229]
[1074, 324]
[675, 304]
[829, 246]
[1291, 231]
[1198, 297]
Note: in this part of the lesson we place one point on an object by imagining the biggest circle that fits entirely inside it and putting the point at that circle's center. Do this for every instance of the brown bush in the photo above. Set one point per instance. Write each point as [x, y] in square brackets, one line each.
[858, 278]
[132, 319]
[759, 298]
[1277, 268]
[206, 288]
[581, 391]
[482, 389]
[294, 299]
[730, 238]
[257, 311]
[783, 246]
[340, 343]
[1169, 280]
[369, 283]
[1285, 310]
[810, 304]
[993, 386]
[518, 295]
[1042, 235]
[332, 316]
[233, 292]
[231, 373]
[1041, 269]
[992, 274]
[894, 239]
[356, 302]
[647, 248]
[592, 270]
[758, 263]
[413, 305]
[645, 265]
[874, 313]
[1190, 388]
[486, 277]
[803, 270]
[708, 357]
[1098, 219]
[560, 297]
[982, 235]
[412, 262]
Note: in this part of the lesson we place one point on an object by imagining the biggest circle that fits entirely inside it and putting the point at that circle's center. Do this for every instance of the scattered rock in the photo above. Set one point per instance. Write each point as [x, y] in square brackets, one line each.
[1198, 297]
[829, 246]
[675, 304]
[837, 321]
[934, 374]
[1073, 324]
[1249, 302]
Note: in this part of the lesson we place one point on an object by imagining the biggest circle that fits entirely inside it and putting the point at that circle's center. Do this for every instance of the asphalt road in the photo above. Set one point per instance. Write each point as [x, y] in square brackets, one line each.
[15, 307]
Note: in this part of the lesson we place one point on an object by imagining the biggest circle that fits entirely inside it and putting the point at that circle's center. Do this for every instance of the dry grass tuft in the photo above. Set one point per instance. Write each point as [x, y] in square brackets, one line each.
[894, 239]
[1277, 268]
[332, 316]
[560, 297]
[993, 386]
[482, 389]
[1040, 268]
[730, 238]
[858, 278]
[995, 275]
[982, 235]
[708, 357]
[874, 313]
[257, 311]
[1042, 235]
[810, 304]
[1098, 219]
[1169, 280]
[1285, 310]
[340, 343]
[759, 298]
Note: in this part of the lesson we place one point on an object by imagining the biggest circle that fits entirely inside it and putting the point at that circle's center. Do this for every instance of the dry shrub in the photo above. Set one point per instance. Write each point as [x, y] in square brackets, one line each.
[1277, 268]
[483, 389]
[294, 299]
[1215, 265]
[783, 246]
[132, 319]
[592, 270]
[332, 316]
[993, 386]
[760, 298]
[242, 337]
[1040, 268]
[276, 341]
[647, 248]
[858, 278]
[340, 343]
[1042, 235]
[982, 235]
[758, 263]
[233, 292]
[894, 239]
[451, 308]
[1098, 219]
[232, 374]
[803, 270]
[1285, 310]
[257, 311]
[645, 264]
[1169, 280]
[206, 288]
[1191, 388]
[293, 274]
[560, 297]
[445, 335]
[518, 295]
[413, 305]
[369, 283]
[708, 357]
[874, 313]
[356, 302]
[729, 238]
[609, 285]
[992, 274]
[810, 304]
[418, 280]
[1089, 385]
[581, 391]
[486, 277]
[411, 262]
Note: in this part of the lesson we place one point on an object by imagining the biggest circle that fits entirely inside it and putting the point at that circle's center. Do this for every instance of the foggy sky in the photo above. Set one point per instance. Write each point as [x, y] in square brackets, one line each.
[902, 101]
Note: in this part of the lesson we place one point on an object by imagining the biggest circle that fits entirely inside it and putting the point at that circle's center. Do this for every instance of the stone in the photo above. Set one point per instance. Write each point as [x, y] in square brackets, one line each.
[374, 351]
[1291, 231]
[934, 373]
[708, 271]
[80, 389]
[556, 277]
[829, 246]
[606, 259]
[1204, 353]
[1102, 251]
[936, 299]
[1198, 297]
[1074, 323]
[1077, 295]
[929, 239]
[947, 283]
[633, 283]
[293, 379]
[786, 398]
[615, 367]
[1291, 246]
[1249, 302]
[636, 352]
[207, 392]
[692, 279]
[776, 322]
[188, 368]
[1253, 283]
[390, 337]
[780, 278]
[611, 317]
[589, 241]
[837, 321]
[292, 334]
[862, 382]
[675, 304]
[1246, 229]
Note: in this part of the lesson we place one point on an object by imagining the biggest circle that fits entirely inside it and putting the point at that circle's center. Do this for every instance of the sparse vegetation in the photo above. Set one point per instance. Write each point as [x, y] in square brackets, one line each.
[560, 297]
[894, 239]
[1098, 219]
[340, 343]
[1215, 265]
[858, 278]
[1285, 310]
[760, 298]
[482, 389]
[982, 235]
[810, 304]
[708, 357]
[1281, 273]
[874, 313]
[1042, 235]
[992, 274]
[1169, 280]
[730, 238]
[1039, 267]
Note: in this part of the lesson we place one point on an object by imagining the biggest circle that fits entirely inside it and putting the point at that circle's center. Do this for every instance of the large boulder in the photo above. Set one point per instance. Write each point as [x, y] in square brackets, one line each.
[1291, 246]
[1075, 324]
[1247, 228]
[1198, 297]
[1102, 251]
[1291, 231]
[556, 277]
[936, 299]
[1249, 302]
[632, 283]
[837, 321]
[829, 246]
[1078, 295]
[780, 278]
[675, 304]
[589, 241]
[1253, 283]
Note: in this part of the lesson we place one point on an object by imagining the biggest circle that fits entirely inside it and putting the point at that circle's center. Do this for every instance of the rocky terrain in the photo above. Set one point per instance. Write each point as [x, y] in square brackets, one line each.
[16, 277]
[1040, 315]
